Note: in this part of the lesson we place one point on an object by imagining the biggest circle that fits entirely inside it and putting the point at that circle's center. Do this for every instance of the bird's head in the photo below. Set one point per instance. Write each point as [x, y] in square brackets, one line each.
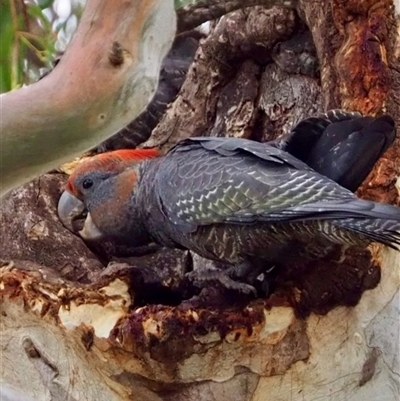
[98, 187]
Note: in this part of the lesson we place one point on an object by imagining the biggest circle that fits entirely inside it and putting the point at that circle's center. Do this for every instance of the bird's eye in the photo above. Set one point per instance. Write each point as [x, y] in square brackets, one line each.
[87, 183]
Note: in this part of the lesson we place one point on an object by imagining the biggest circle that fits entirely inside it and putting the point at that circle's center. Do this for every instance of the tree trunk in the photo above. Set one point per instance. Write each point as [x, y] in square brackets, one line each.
[131, 331]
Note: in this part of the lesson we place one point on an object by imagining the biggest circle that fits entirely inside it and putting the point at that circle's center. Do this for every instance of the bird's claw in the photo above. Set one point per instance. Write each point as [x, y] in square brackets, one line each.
[198, 277]
[231, 284]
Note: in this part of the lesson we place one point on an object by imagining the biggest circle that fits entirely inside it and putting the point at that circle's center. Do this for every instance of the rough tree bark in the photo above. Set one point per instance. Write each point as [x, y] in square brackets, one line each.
[130, 331]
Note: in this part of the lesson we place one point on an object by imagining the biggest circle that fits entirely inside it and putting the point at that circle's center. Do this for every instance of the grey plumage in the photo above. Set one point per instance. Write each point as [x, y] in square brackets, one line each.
[239, 202]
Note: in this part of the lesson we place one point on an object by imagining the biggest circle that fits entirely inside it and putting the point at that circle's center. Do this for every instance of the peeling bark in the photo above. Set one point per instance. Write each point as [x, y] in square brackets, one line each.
[284, 100]
[194, 14]
[250, 32]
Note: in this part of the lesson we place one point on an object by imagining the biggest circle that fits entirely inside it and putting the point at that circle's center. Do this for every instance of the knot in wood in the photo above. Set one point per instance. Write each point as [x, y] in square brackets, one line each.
[116, 55]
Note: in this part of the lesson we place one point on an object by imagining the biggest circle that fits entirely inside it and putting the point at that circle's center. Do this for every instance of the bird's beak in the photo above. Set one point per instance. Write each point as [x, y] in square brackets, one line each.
[89, 230]
[70, 208]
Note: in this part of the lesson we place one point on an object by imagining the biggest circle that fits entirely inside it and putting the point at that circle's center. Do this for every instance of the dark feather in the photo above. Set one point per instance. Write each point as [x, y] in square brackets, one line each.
[241, 181]
[209, 181]
[342, 146]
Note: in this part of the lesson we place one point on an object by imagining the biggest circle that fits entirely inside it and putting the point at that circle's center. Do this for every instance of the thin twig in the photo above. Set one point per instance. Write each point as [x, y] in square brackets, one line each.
[32, 47]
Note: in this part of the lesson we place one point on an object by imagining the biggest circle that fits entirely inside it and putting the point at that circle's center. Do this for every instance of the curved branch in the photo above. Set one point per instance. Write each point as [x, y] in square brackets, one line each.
[195, 14]
[105, 79]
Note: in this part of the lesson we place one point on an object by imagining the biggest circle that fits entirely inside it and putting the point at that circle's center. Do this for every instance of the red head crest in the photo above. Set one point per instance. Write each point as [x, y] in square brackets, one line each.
[115, 161]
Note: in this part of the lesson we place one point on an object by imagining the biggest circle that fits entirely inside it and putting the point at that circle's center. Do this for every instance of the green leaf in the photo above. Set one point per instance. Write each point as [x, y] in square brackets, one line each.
[6, 46]
[45, 3]
[182, 3]
[36, 11]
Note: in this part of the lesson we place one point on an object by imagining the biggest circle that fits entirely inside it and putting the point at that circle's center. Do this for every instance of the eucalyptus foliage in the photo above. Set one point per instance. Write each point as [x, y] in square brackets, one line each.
[33, 33]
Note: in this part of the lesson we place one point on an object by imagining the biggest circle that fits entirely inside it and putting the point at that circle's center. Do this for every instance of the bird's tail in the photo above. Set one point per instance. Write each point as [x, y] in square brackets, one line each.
[380, 224]
[386, 232]
[343, 146]
[376, 222]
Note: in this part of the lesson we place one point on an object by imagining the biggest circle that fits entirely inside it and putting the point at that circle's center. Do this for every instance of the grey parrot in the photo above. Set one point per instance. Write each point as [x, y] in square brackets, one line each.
[236, 201]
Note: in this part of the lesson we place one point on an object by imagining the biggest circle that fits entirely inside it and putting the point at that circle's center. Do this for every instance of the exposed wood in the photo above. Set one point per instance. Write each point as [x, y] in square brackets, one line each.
[58, 333]
[361, 61]
[342, 346]
[106, 78]
[92, 326]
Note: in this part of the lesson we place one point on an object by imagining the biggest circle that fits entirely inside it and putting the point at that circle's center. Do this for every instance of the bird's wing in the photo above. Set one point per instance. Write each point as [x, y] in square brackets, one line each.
[204, 181]
[304, 135]
[348, 150]
[343, 146]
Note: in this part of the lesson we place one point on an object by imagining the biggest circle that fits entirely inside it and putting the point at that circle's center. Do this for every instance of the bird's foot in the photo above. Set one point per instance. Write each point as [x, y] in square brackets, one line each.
[199, 277]
[256, 275]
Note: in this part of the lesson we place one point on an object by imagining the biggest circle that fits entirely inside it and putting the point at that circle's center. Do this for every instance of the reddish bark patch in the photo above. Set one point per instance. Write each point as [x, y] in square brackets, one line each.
[379, 186]
[321, 286]
[171, 334]
[361, 61]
